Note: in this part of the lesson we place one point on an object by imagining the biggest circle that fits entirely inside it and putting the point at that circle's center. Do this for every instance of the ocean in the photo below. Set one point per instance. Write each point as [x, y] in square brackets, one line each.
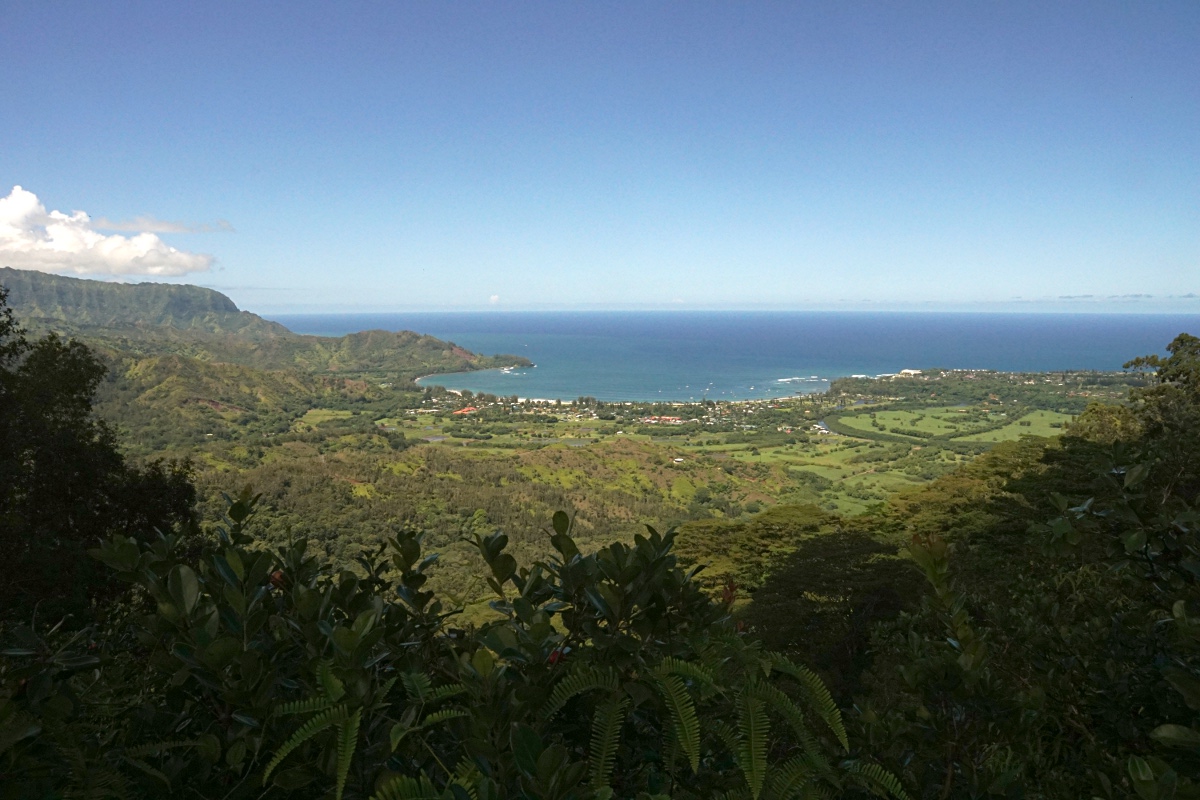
[684, 355]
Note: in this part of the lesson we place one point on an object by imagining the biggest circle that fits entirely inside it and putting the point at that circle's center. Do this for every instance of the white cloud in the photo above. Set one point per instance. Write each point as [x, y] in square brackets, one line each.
[494, 299]
[32, 238]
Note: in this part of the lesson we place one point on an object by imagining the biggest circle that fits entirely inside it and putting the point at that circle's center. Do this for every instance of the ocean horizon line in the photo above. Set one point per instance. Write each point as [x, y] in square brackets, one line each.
[692, 355]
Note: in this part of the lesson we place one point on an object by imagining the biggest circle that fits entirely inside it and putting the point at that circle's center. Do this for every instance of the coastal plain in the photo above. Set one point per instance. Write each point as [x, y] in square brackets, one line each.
[345, 447]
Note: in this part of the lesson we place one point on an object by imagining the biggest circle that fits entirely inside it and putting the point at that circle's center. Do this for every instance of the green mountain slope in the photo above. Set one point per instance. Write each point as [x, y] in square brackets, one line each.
[153, 320]
[39, 297]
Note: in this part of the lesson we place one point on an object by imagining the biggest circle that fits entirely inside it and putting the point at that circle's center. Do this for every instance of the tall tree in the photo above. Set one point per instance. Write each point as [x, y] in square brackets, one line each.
[64, 485]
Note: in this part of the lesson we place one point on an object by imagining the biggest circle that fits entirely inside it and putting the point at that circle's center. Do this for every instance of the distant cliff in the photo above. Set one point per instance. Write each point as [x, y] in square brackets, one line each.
[39, 298]
[158, 319]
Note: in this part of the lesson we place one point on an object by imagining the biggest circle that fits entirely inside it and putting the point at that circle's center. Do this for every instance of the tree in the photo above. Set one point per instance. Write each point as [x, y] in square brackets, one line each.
[64, 485]
[1058, 653]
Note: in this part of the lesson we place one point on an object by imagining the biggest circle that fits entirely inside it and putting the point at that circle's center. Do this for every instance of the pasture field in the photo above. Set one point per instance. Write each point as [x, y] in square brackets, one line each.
[956, 422]
[315, 416]
[1038, 423]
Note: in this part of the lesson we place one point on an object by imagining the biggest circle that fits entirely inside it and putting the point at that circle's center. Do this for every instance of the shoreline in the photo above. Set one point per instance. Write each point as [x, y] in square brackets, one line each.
[420, 378]
[819, 385]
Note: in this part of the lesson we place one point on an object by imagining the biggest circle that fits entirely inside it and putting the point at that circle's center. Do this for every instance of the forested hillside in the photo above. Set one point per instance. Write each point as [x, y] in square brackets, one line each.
[149, 319]
[40, 298]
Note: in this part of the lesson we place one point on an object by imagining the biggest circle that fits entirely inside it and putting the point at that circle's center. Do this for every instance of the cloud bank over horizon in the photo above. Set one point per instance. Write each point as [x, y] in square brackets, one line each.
[53, 241]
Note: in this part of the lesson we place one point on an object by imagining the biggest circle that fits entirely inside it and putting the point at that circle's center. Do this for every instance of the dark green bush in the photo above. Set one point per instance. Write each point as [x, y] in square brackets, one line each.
[251, 673]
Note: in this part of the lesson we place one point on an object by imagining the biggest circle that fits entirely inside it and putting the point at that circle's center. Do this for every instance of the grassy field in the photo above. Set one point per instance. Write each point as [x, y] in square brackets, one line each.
[1038, 423]
[315, 416]
[945, 423]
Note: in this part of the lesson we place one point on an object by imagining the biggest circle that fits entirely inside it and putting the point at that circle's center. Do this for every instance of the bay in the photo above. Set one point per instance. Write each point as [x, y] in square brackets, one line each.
[693, 355]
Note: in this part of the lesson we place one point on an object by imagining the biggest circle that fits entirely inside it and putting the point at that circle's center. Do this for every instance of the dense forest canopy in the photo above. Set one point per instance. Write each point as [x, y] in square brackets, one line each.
[941, 587]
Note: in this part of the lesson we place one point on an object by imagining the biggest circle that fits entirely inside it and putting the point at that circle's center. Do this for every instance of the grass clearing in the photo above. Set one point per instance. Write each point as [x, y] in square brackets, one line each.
[315, 416]
[1037, 423]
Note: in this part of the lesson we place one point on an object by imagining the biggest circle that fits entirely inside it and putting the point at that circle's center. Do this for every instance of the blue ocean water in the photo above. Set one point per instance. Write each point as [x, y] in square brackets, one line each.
[683, 355]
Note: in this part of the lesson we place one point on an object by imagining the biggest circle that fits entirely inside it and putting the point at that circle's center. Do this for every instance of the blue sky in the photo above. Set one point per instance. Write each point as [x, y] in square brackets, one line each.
[376, 156]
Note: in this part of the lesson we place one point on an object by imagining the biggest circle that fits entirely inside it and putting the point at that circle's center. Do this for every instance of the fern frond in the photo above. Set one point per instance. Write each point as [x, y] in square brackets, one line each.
[783, 705]
[96, 784]
[467, 775]
[326, 719]
[332, 686]
[790, 778]
[442, 716]
[822, 701]
[726, 734]
[405, 788]
[347, 743]
[442, 692]
[684, 721]
[676, 666]
[877, 777]
[576, 683]
[814, 791]
[417, 686]
[149, 770]
[606, 736]
[754, 728]
[740, 793]
[309, 706]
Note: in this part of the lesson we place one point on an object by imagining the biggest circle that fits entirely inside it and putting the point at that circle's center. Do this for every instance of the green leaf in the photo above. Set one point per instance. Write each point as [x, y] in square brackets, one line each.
[1136, 475]
[483, 662]
[209, 748]
[291, 779]
[504, 567]
[1186, 684]
[1176, 736]
[561, 523]
[184, 587]
[1135, 541]
[218, 654]
[235, 563]
[236, 753]
[121, 554]
[526, 748]
[226, 571]
[1139, 771]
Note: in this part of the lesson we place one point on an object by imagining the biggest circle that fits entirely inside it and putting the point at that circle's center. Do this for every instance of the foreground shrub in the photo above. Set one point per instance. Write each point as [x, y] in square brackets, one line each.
[264, 674]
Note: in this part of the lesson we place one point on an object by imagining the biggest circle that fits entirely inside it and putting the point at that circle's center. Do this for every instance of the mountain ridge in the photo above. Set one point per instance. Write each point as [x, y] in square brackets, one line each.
[158, 319]
[82, 303]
